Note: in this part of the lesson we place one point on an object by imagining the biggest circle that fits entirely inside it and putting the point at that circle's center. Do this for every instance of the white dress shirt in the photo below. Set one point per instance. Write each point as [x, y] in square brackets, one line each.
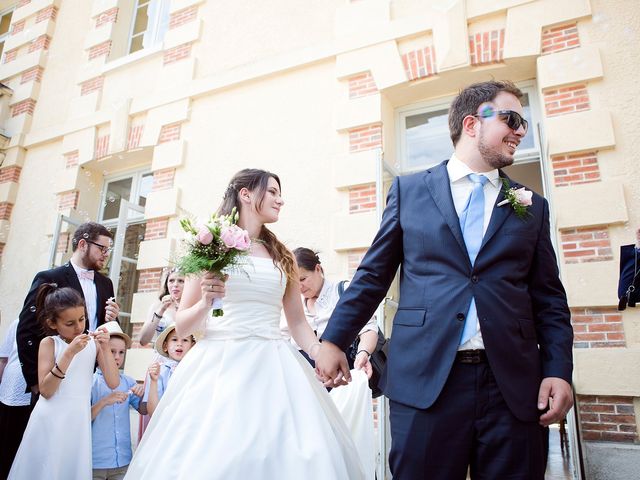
[461, 187]
[90, 297]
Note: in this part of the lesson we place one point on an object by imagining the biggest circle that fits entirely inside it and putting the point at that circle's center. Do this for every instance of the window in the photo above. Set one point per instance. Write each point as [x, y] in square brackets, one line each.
[133, 188]
[5, 23]
[424, 134]
[150, 23]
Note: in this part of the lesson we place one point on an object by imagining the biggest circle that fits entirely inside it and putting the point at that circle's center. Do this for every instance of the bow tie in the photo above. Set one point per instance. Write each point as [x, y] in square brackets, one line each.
[87, 274]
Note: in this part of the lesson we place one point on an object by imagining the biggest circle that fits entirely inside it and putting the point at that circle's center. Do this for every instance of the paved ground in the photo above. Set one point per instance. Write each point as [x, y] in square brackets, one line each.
[559, 463]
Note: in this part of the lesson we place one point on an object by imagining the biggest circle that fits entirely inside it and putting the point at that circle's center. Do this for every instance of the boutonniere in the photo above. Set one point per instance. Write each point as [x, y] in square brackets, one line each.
[518, 198]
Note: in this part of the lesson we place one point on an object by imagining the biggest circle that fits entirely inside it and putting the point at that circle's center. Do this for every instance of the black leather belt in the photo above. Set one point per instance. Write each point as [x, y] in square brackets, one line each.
[471, 356]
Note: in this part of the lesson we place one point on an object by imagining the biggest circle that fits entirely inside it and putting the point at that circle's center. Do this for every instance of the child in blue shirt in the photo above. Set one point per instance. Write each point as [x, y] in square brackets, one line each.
[169, 345]
[111, 430]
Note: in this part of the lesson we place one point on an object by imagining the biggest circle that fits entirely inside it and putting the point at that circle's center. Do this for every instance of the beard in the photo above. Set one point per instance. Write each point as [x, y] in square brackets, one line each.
[490, 155]
[90, 263]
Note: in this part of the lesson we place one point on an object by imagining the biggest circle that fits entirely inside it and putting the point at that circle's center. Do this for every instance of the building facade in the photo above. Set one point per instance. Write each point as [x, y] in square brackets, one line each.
[135, 113]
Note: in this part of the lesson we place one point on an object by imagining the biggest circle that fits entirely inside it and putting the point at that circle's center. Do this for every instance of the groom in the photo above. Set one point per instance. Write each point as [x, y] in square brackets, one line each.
[480, 358]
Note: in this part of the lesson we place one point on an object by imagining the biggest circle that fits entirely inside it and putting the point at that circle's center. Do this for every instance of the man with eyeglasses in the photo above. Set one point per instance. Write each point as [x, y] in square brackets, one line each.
[480, 358]
[91, 245]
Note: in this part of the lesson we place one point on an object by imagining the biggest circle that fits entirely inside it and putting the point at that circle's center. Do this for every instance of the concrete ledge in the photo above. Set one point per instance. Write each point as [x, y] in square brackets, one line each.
[101, 6]
[355, 169]
[29, 34]
[83, 141]
[358, 112]
[155, 253]
[5, 225]
[24, 92]
[607, 371]
[22, 63]
[177, 5]
[595, 132]
[382, 60]
[96, 36]
[354, 230]
[479, 8]
[32, 8]
[18, 124]
[599, 203]
[169, 155]
[67, 179]
[142, 302]
[162, 203]
[585, 282]
[570, 66]
[187, 33]
[158, 117]
[8, 192]
[611, 461]
[138, 361]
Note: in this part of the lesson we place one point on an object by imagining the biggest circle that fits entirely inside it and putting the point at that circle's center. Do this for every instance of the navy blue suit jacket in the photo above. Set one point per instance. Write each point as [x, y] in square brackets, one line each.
[521, 304]
[627, 272]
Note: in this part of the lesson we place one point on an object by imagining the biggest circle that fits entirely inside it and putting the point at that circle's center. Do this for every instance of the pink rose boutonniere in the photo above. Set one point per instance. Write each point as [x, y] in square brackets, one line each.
[518, 198]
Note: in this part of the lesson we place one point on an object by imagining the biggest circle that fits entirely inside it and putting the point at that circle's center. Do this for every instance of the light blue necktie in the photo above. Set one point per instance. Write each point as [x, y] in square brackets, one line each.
[472, 224]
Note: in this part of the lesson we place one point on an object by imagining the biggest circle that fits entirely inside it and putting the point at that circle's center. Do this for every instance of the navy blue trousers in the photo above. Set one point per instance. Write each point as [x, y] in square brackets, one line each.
[469, 426]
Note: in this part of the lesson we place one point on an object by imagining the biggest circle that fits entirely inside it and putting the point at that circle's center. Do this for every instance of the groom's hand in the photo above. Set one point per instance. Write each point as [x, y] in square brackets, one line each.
[332, 366]
[555, 393]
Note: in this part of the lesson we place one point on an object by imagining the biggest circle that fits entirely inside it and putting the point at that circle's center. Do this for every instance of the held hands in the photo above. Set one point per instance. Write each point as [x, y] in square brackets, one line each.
[331, 365]
[112, 310]
[362, 363]
[556, 394]
[154, 371]
[212, 287]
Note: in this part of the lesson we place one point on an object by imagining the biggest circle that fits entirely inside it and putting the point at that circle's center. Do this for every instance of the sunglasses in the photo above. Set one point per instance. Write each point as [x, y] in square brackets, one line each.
[513, 119]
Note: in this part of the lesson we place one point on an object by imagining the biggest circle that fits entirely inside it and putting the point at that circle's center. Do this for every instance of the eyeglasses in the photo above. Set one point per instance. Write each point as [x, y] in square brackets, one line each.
[103, 249]
[513, 119]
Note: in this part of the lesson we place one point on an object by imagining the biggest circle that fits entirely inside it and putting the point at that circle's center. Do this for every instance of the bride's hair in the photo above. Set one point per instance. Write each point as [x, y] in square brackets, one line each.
[256, 180]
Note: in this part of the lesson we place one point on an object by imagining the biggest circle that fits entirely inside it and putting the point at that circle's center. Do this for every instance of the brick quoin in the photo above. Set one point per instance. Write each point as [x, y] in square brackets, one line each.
[100, 50]
[25, 106]
[607, 418]
[10, 174]
[183, 16]
[72, 159]
[176, 54]
[32, 75]
[420, 63]
[575, 168]
[49, 13]
[362, 85]
[365, 138]
[10, 55]
[163, 179]
[597, 328]
[169, 133]
[22, 3]
[93, 85]
[135, 135]
[156, 229]
[149, 280]
[108, 16]
[40, 43]
[486, 47]
[588, 244]
[574, 98]
[102, 146]
[354, 257]
[560, 37]
[63, 243]
[362, 198]
[5, 210]
[68, 200]
[18, 27]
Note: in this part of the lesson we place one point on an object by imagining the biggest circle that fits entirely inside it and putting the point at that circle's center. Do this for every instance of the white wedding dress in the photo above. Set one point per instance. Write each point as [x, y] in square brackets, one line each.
[243, 403]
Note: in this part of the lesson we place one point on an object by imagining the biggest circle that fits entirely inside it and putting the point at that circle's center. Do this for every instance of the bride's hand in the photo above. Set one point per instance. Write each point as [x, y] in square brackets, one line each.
[212, 287]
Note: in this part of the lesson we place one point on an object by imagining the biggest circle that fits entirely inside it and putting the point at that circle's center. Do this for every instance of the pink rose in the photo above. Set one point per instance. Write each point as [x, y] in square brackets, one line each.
[235, 237]
[523, 197]
[204, 236]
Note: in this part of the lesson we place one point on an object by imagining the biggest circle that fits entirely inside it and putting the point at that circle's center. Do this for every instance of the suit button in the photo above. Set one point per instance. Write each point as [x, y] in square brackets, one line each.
[460, 316]
[474, 279]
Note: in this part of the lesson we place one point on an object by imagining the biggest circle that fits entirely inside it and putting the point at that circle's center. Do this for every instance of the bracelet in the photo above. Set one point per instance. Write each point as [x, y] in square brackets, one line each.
[157, 316]
[55, 374]
[59, 369]
[363, 350]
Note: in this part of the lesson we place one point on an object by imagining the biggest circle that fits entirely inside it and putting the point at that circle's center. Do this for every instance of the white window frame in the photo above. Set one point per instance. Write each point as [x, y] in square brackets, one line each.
[531, 155]
[3, 37]
[134, 196]
[154, 31]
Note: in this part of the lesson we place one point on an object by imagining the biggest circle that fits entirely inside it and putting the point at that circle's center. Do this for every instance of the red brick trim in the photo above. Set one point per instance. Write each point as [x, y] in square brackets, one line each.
[607, 418]
[72, 159]
[420, 63]
[163, 179]
[40, 43]
[575, 168]
[354, 257]
[183, 16]
[68, 200]
[10, 55]
[560, 37]
[588, 244]
[5, 210]
[149, 280]
[18, 27]
[176, 54]
[108, 16]
[597, 328]
[170, 133]
[49, 13]
[100, 50]
[362, 85]
[362, 198]
[102, 146]
[365, 138]
[22, 3]
[135, 135]
[64, 243]
[10, 174]
[486, 47]
[25, 106]
[574, 98]
[33, 74]
[156, 229]
[93, 85]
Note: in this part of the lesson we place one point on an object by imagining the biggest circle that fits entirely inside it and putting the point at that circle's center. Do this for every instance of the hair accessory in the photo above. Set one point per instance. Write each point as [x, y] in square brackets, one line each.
[231, 189]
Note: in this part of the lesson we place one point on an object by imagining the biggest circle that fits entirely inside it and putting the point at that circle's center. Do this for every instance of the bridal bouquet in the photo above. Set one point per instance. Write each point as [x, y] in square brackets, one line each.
[214, 246]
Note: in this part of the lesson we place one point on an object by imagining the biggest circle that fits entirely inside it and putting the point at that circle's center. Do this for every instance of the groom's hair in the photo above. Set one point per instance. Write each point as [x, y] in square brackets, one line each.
[469, 100]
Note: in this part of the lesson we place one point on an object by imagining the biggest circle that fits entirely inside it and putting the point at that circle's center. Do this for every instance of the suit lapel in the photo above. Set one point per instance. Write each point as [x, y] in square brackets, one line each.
[437, 180]
[499, 214]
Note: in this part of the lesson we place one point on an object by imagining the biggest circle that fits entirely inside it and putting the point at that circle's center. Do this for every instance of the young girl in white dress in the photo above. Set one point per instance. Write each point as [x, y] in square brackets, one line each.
[57, 442]
[244, 403]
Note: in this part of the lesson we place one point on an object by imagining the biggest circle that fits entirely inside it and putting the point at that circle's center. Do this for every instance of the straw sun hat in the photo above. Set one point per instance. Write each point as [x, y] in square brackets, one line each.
[114, 330]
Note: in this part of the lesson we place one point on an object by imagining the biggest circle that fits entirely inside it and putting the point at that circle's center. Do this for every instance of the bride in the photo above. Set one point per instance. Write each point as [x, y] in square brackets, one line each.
[244, 403]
